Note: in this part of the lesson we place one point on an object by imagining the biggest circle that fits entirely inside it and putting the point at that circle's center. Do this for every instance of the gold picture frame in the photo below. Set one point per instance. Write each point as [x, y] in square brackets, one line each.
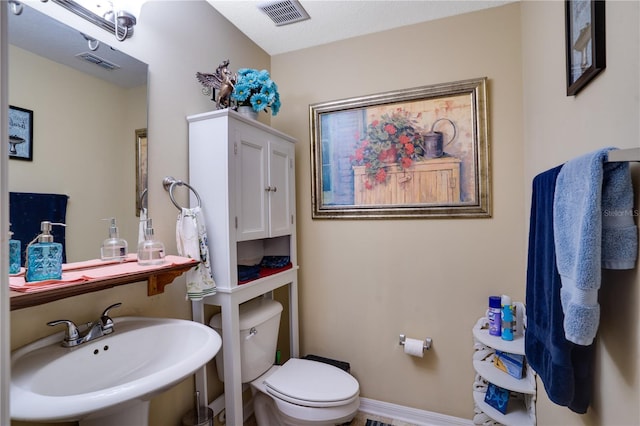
[412, 153]
[142, 170]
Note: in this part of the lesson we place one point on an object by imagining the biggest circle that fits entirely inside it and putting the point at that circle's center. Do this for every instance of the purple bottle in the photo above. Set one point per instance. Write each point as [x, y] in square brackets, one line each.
[494, 315]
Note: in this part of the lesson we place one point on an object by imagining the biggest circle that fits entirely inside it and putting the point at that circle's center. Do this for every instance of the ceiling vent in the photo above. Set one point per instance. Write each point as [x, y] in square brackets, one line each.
[97, 60]
[284, 12]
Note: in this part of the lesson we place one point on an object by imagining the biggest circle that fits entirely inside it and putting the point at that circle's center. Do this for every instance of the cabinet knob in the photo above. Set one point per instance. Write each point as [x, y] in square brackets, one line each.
[274, 188]
[268, 189]
[271, 189]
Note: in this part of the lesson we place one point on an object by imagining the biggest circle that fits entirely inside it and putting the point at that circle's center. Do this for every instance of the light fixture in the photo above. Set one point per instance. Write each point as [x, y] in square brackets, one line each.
[123, 13]
[16, 7]
[116, 16]
[92, 42]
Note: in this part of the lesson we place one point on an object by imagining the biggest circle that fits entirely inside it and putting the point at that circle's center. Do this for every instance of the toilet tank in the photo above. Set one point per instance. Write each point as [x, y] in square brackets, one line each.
[259, 324]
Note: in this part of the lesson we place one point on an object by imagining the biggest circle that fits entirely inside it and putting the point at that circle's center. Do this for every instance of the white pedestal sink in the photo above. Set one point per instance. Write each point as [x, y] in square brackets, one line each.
[108, 381]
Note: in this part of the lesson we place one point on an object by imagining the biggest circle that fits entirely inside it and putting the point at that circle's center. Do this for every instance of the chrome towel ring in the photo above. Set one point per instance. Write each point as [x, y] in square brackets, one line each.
[169, 183]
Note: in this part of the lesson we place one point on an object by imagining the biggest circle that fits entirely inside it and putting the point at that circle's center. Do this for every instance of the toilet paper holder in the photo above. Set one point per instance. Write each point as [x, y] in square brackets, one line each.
[426, 344]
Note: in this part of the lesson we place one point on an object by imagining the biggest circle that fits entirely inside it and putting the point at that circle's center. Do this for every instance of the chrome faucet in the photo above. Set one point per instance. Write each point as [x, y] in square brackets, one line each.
[74, 336]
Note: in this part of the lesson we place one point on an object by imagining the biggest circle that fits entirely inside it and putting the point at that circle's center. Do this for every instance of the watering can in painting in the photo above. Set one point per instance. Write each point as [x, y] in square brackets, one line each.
[434, 141]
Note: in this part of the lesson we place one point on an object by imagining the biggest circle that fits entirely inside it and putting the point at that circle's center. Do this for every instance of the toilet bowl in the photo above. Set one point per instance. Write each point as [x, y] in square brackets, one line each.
[304, 392]
[299, 392]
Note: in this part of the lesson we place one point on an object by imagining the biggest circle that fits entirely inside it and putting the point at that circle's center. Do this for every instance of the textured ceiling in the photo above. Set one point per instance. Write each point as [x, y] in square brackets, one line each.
[333, 20]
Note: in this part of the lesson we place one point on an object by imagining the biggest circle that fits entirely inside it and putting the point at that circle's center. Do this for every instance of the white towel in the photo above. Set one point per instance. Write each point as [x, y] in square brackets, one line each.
[191, 238]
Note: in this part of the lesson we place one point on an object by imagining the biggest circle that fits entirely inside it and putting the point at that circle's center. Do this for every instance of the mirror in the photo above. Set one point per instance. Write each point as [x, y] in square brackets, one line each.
[88, 104]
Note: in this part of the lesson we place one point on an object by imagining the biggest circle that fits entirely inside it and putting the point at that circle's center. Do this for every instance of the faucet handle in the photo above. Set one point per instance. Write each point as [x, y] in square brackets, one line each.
[71, 333]
[107, 322]
[105, 313]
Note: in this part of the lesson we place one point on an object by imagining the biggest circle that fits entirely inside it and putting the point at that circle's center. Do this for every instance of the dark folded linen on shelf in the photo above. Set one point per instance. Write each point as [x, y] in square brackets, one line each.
[247, 273]
[274, 261]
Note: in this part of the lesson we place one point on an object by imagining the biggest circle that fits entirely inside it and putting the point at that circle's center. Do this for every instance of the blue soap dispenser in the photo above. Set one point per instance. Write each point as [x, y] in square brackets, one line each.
[14, 254]
[44, 256]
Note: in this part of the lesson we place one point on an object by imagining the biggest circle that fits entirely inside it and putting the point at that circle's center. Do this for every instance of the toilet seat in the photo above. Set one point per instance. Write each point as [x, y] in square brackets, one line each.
[312, 384]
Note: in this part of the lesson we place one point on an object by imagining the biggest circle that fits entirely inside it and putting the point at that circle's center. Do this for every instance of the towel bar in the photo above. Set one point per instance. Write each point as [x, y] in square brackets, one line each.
[169, 182]
[624, 155]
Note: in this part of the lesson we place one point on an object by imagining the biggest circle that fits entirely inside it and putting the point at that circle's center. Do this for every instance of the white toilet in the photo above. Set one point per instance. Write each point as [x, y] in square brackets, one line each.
[299, 392]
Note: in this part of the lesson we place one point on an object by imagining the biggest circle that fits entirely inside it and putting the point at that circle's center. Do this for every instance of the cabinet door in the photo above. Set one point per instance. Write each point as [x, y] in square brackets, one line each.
[281, 181]
[251, 184]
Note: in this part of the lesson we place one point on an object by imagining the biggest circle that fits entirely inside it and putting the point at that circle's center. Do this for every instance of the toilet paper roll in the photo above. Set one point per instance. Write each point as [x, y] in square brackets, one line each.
[414, 347]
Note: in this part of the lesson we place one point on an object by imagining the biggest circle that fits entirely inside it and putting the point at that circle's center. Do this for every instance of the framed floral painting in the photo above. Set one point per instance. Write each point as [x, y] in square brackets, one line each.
[412, 153]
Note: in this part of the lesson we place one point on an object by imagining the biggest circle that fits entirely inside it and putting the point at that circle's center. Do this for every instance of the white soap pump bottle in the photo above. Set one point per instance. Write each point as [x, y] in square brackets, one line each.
[150, 251]
[114, 247]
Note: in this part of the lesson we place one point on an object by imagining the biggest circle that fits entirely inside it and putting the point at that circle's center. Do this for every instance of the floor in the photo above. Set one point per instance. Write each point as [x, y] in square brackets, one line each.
[359, 420]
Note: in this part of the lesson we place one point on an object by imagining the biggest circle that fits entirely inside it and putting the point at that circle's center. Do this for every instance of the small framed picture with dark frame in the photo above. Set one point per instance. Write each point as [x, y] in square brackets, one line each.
[20, 133]
[585, 42]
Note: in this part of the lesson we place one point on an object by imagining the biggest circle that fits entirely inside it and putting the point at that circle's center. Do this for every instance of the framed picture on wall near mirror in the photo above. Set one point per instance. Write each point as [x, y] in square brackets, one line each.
[585, 42]
[20, 133]
[141, 170]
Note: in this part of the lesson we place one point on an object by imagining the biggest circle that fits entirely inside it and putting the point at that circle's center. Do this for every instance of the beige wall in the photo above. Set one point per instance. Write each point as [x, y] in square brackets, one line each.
[176, 39]
[558, 128]
[364, 282]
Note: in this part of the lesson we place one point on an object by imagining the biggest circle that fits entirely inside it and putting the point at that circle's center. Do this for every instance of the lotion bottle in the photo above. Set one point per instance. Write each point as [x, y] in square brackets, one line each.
[14, 254]
[44, 256]
[507, 318]
[150, 251]
[114, 247]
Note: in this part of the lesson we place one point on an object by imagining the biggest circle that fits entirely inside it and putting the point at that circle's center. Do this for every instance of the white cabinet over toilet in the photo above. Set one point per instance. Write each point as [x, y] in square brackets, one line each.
[265, 175]
[244, 172]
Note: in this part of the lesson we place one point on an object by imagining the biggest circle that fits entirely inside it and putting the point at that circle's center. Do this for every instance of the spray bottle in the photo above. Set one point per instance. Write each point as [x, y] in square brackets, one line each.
[493, 315]
[114, 247]
[150, 251]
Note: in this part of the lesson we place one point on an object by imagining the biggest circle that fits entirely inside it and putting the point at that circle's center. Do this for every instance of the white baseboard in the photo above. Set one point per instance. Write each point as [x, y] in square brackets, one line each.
[410, 415]
[376, 408]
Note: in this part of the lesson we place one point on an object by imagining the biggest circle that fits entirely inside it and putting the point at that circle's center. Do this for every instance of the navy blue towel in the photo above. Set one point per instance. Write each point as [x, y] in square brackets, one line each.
[275, 261]
[564, 368]
[28, 209]
[246, 273]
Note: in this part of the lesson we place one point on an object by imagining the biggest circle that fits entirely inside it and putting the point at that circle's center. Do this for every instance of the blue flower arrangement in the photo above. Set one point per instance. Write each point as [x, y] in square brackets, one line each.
[256, 89]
